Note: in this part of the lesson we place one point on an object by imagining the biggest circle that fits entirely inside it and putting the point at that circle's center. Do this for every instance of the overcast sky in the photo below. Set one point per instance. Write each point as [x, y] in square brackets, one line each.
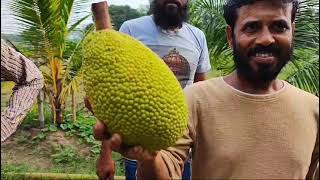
[7, 19]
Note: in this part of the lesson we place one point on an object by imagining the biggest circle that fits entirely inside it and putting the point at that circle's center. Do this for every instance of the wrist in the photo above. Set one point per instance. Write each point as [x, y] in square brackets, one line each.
[153, 168]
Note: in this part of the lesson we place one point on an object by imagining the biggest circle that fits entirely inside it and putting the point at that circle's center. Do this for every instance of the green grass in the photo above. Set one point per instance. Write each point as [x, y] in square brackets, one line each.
[6, 90]
[27, 151]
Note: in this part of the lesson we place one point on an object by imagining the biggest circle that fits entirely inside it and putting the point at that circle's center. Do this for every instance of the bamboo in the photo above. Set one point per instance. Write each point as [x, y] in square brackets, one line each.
[40, 108]
[54, 176]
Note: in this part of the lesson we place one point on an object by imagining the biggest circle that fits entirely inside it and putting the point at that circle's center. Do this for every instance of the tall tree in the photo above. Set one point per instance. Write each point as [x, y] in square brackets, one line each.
[46, 26]
[120, 14]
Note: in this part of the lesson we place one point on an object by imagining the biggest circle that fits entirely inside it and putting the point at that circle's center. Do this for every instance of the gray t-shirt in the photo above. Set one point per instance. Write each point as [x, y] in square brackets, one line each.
[184, 51]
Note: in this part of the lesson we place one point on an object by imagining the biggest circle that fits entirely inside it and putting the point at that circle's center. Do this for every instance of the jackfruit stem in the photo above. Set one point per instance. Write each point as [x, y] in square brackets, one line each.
[102, 21]
[101, 15]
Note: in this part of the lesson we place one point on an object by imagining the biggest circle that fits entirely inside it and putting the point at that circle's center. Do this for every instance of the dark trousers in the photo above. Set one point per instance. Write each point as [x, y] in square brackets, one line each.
[131, 169]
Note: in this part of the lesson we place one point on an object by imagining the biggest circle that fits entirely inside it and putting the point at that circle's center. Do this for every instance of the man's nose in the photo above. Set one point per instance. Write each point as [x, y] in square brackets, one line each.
[265, 38]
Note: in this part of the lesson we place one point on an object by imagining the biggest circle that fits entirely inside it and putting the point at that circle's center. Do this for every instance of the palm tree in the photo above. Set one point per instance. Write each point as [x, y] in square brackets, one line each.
[302, 72]
[47, 27]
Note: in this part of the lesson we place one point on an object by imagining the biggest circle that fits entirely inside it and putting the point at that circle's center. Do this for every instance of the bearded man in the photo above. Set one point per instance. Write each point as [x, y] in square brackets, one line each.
[182, 46]
[249, 124]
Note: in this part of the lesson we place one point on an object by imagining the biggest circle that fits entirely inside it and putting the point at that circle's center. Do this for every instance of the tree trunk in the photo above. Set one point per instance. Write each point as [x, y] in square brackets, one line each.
[74, 106]
[57, 104]
[40, 108]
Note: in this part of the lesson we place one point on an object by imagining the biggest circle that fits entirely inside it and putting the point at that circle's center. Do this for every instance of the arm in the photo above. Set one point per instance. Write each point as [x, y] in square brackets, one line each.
[204, 65]
[125, 28]
[168, 163]
[15, 67]
[105, 166]
[164, 164]
[153, 169]
[313, 172]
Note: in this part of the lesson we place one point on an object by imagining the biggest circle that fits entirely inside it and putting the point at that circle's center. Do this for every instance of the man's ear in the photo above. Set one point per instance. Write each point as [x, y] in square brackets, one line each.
[293, 28]
[229, 36]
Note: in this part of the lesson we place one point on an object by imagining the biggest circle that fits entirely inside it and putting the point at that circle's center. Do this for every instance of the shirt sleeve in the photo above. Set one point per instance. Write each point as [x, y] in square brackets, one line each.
[204, 61]
[28, 82]
[125, 28]
[175, 156]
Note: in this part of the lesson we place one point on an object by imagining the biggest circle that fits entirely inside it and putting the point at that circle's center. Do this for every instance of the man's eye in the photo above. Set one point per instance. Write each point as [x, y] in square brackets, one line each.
[251, 28]
[279, 27]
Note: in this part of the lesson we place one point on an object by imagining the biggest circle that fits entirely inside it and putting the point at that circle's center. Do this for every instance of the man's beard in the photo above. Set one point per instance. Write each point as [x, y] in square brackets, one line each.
[265, 73]
[169, 17]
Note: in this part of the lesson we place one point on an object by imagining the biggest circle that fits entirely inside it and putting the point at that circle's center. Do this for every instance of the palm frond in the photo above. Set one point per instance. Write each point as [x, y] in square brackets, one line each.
[307, 25]
[303, 71]
[207, 15]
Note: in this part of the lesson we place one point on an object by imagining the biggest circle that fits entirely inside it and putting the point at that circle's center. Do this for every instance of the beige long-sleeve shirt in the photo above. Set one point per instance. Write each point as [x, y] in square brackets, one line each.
[29, 80]
[235, 135]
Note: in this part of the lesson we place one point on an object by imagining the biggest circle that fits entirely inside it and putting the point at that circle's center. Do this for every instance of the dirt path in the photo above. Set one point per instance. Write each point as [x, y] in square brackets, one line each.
[21, 149]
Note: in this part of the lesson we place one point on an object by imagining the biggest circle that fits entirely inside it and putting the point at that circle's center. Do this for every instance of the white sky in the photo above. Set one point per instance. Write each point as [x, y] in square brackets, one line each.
[7, 20]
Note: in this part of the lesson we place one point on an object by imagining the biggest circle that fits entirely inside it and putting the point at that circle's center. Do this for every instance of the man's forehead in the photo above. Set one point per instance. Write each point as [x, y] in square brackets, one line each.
[262, 8]
[269, 4]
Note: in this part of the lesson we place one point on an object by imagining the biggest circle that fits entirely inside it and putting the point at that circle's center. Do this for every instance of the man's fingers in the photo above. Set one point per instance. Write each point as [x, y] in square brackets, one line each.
[134, 152]
[111, 177]
[100, 131]
[102, 176]
[115, 142]
[87, 104]
[149, 155]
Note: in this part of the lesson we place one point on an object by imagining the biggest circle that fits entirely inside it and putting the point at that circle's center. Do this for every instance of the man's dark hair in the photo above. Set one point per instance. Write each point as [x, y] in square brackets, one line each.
[231, 9]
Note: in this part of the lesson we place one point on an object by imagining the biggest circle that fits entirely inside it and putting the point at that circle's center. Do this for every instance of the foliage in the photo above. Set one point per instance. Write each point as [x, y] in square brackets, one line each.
[31, 119]
[83, 129]
[47, 26]
[65, 155]
[120, 14]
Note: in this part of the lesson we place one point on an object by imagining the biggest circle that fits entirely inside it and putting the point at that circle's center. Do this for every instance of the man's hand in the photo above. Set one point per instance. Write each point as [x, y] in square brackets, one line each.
[105, 166]
[131, 152]
[87, 104]
[115, 142]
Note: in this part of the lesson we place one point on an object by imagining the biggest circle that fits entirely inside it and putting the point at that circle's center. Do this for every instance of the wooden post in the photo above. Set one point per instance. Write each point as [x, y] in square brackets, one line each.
[40, 108]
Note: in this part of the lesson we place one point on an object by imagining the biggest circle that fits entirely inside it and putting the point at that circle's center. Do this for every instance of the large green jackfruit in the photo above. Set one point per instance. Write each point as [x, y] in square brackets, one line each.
[133, 91]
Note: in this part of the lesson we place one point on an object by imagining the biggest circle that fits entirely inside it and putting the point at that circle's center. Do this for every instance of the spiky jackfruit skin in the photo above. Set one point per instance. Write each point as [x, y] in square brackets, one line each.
[133, 91]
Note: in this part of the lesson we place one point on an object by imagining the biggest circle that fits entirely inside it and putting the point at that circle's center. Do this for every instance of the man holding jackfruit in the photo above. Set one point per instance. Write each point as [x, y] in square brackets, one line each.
[182, 46]
[249, 124]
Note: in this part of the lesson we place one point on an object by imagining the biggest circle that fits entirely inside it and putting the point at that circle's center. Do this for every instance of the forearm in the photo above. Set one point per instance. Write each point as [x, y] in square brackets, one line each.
[19, 103]
[153, 169]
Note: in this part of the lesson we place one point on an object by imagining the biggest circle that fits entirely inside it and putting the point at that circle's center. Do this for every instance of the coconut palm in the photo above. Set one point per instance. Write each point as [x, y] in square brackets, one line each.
[302, 72]
[47, 27]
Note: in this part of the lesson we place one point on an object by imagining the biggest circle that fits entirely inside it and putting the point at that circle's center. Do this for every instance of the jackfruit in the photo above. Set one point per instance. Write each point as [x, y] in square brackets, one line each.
[133, 91]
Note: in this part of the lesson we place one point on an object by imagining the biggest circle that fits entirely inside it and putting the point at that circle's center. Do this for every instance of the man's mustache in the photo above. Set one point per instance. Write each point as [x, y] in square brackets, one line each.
[173, 2]
[272, 48]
